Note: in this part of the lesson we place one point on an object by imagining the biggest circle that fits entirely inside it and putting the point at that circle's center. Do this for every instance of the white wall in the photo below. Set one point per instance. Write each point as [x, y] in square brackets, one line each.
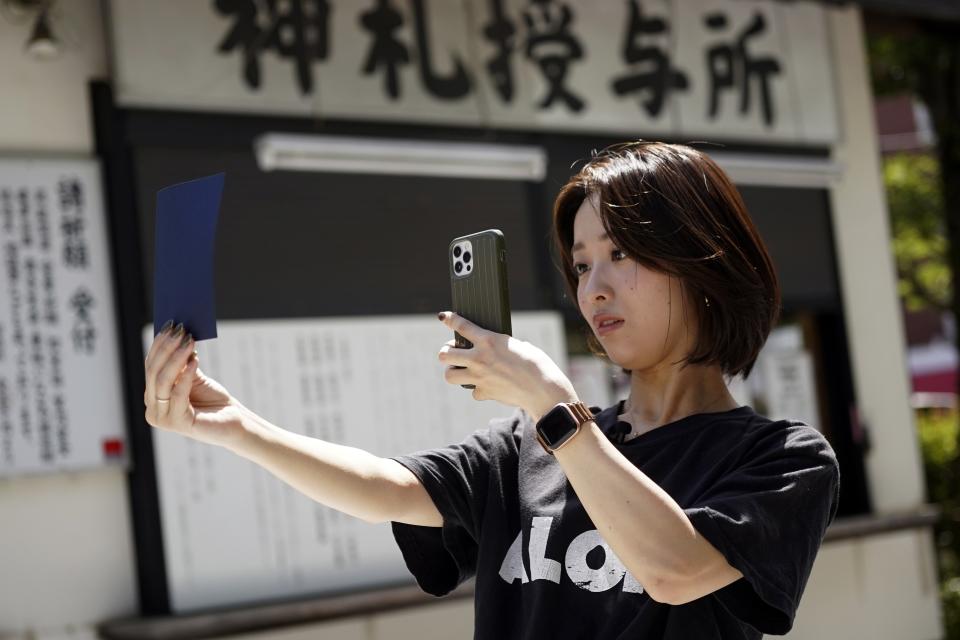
[874, 588]
[44, 105]
[66, 558]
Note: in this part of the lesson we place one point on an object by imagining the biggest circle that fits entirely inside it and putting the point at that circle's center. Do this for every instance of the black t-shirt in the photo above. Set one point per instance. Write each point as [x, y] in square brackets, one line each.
[761, 491]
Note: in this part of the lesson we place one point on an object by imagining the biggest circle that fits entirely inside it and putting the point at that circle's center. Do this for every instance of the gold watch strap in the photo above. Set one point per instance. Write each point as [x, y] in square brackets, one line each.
[581, 412]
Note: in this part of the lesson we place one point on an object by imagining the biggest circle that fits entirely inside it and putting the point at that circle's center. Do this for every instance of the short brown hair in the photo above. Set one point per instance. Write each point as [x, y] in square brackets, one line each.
[673, 210]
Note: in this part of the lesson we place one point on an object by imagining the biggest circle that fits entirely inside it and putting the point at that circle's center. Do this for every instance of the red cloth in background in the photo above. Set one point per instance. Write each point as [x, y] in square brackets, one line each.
[935, 382]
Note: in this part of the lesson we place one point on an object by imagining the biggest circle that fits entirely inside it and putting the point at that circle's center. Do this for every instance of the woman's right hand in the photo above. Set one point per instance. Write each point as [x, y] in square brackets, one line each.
[198, 406]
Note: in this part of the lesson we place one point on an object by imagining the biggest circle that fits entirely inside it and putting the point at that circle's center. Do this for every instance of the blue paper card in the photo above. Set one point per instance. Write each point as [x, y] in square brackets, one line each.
[186, 227]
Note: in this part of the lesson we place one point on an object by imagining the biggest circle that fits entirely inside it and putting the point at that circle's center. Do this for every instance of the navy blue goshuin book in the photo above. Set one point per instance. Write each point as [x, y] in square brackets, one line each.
[186, 227]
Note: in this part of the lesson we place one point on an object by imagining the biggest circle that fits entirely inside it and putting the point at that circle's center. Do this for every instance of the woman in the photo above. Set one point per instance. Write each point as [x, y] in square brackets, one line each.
[675, 513]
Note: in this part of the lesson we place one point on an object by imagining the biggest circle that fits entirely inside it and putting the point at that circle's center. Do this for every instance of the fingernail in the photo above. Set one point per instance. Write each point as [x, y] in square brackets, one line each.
[178, 331]
[186, 340]
[166, 326]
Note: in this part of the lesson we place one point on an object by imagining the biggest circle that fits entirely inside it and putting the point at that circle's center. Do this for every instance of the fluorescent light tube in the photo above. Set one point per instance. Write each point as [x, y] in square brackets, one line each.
[294, 152]
[778, 171]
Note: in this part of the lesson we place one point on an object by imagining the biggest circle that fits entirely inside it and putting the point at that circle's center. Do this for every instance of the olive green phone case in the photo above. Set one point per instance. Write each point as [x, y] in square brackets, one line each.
[481, 295]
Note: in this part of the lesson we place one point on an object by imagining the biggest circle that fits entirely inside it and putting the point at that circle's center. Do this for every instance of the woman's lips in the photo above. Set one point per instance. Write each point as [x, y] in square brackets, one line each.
[608, 325]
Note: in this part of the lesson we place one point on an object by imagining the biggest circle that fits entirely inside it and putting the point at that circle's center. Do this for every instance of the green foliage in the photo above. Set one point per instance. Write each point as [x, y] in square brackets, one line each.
[921, 59]
[938, 441]
[920, 244]
[897, 62]
[911, 64]
[938, 431]
[950, 598]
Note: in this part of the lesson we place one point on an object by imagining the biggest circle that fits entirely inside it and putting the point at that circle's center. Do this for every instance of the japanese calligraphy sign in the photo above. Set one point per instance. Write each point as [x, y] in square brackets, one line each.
[749, 69]
[60, 385]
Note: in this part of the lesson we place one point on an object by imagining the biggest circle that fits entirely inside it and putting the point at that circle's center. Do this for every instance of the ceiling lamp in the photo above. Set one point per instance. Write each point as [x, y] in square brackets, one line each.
[42, 44]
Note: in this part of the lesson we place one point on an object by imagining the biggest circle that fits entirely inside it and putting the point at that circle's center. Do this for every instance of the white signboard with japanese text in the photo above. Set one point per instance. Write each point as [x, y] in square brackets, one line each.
[719, 69]
[233, 532]
[783, 383]
[61, 391]
[791, 387]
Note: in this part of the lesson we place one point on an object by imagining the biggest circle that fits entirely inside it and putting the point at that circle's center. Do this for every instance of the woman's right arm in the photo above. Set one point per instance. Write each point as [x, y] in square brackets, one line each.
[347, 479]
[180, 398]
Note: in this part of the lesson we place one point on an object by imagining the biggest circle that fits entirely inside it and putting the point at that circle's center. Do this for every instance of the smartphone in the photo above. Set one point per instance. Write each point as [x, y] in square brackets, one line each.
[478, 283]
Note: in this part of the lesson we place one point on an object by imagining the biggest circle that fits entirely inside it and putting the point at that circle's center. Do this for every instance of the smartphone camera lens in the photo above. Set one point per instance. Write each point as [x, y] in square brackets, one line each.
[458, 267]
[466, 256]
[456, 252]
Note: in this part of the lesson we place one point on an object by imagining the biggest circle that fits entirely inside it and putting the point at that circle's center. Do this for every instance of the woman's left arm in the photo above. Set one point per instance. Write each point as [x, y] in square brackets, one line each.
[644, 526]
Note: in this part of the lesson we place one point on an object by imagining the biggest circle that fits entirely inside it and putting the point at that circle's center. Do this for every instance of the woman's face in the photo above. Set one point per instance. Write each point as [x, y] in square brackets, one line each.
[638, 315]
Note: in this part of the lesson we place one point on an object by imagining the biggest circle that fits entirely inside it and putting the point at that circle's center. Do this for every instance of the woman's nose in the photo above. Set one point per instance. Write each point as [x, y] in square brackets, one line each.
[596, 288]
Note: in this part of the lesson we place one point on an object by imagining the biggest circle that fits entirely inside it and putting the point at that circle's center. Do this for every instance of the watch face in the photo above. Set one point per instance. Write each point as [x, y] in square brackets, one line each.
[557, 426]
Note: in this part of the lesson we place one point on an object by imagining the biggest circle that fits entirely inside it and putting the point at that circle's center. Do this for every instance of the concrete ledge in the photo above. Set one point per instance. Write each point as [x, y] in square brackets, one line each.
[234, 621]
[867, 525]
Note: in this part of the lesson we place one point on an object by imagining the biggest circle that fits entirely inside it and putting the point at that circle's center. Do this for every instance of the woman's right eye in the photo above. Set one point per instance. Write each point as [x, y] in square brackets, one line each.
[579, 268]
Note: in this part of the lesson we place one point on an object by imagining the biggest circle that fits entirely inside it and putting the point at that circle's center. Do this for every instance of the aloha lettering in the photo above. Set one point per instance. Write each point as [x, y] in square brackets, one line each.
[580, 573]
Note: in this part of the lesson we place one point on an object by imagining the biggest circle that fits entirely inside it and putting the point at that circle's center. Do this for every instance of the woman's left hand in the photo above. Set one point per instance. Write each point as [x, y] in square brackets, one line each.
[504, 369]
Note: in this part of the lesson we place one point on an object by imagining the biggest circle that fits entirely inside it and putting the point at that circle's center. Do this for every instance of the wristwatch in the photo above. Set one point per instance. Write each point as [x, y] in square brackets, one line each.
[561, 423]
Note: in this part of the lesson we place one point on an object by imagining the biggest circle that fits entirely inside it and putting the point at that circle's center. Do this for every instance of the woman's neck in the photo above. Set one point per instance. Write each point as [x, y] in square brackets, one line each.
[656, 400]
